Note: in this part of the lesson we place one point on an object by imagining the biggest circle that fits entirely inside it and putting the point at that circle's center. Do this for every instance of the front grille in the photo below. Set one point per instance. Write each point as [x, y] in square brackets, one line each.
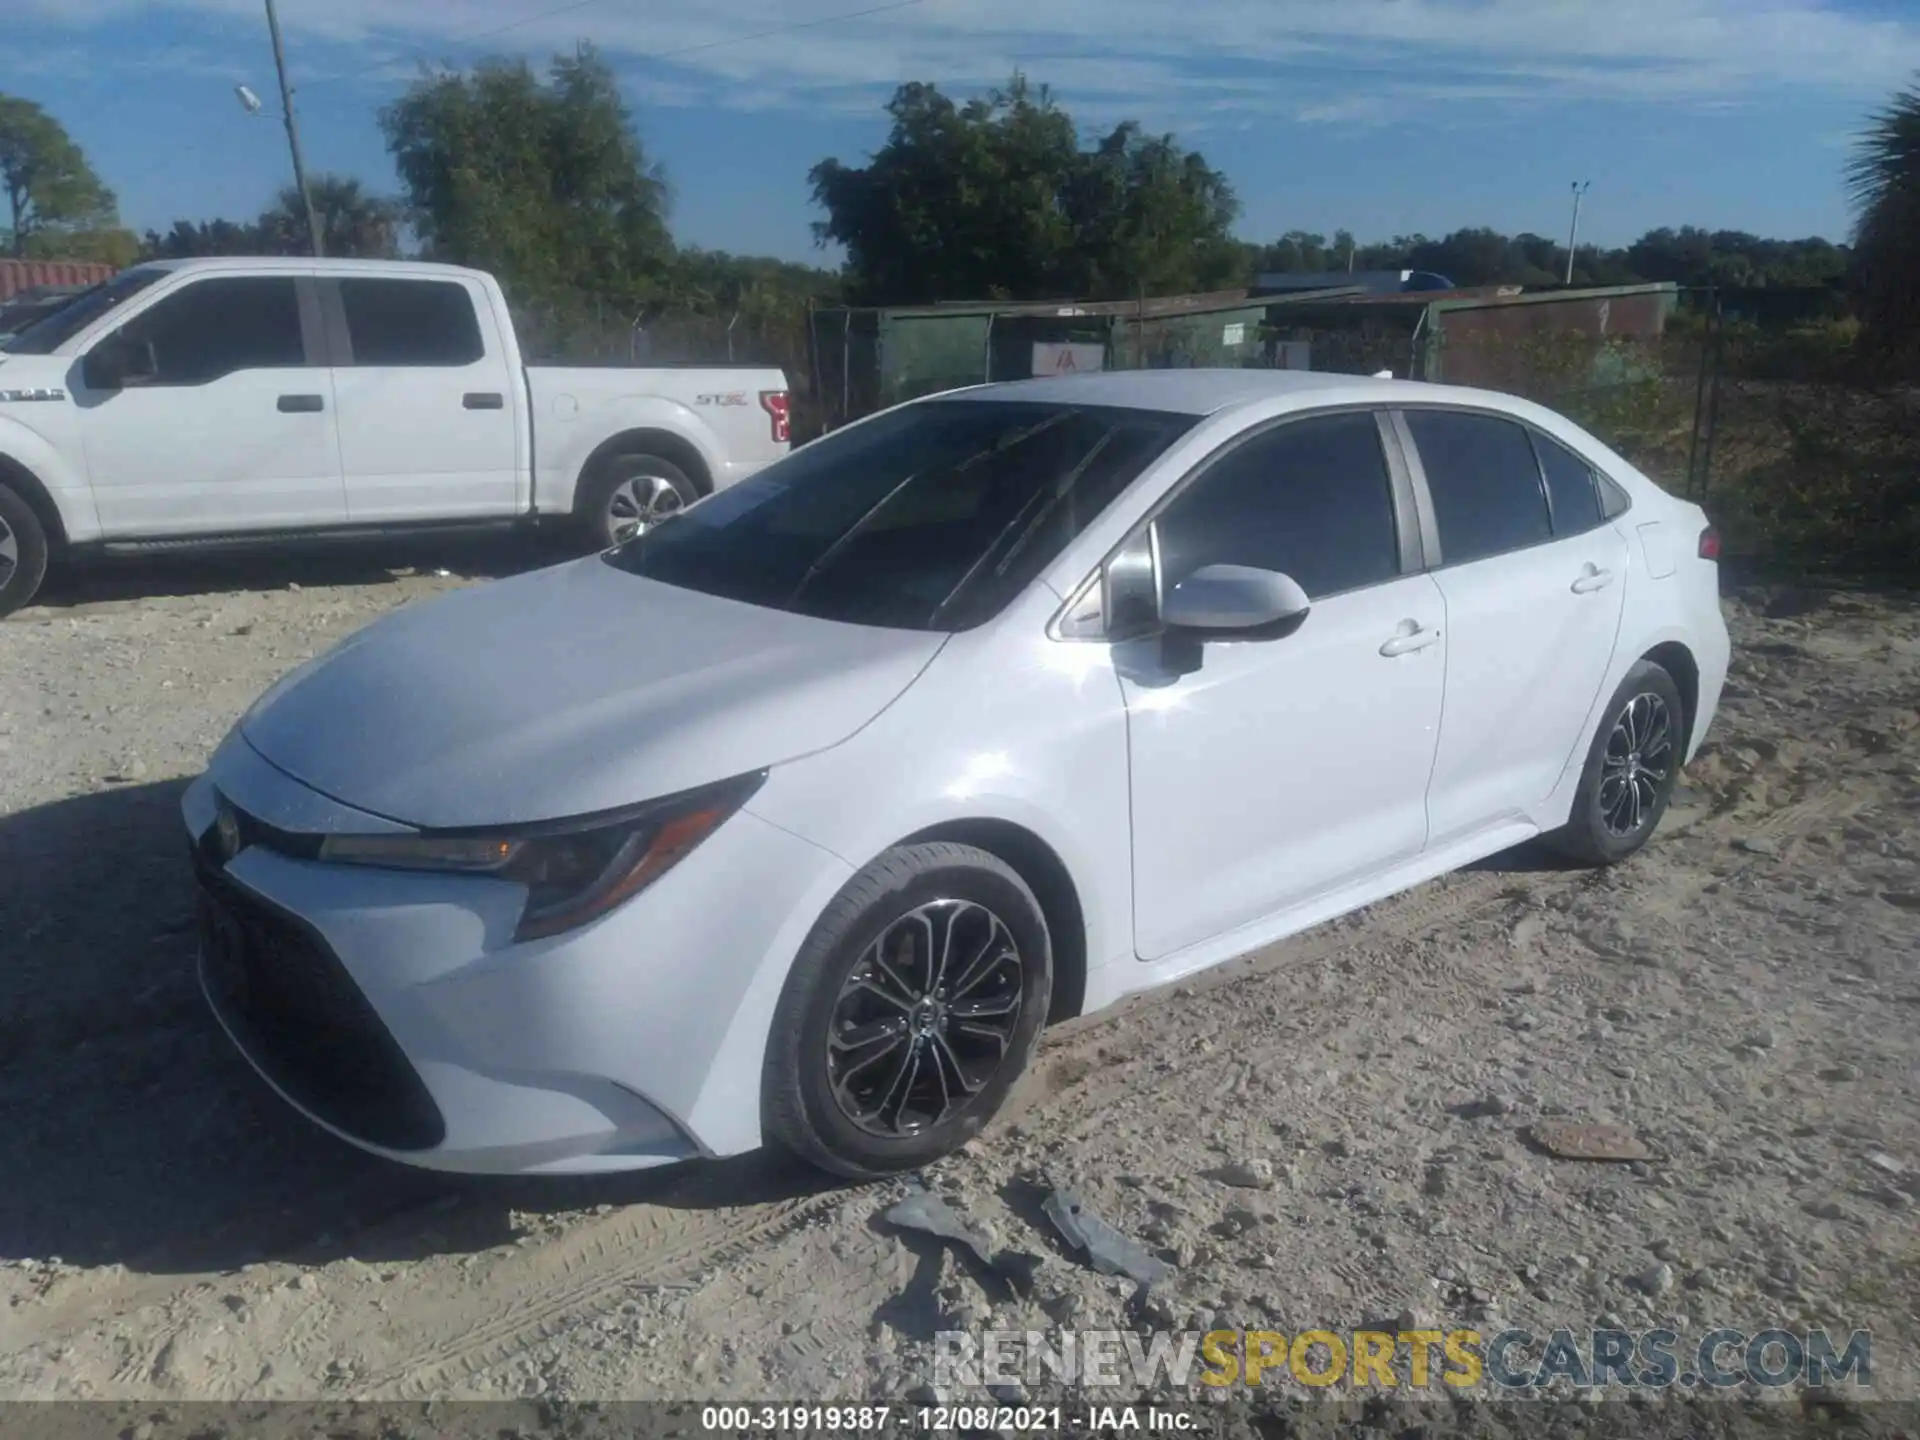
[302, 1019]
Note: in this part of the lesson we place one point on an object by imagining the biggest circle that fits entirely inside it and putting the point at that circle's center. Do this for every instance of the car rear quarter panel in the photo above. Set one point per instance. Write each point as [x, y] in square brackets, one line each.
[1682, 609]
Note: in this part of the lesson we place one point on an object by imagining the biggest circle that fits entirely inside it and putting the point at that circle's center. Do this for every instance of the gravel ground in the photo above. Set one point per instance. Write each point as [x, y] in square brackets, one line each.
[1332, 1131]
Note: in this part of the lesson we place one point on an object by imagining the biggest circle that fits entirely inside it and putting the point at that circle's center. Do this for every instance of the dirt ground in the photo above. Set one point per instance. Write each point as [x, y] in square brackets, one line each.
[1744, 995]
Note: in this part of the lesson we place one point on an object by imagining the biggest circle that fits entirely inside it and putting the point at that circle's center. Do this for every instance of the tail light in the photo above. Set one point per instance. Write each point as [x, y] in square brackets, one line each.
[1709, 544]
[778, 404]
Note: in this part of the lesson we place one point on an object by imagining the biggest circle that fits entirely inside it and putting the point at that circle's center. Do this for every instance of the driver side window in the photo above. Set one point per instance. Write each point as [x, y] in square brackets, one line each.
[211, 328]
[1312, 499]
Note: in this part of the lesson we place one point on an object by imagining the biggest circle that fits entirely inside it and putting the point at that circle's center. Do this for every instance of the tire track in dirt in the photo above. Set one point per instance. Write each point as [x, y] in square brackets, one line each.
[542, 1289]
[549, 1288]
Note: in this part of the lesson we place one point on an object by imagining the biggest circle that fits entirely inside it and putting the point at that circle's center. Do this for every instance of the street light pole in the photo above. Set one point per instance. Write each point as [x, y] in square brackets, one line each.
[1573, 235]
[293, 130]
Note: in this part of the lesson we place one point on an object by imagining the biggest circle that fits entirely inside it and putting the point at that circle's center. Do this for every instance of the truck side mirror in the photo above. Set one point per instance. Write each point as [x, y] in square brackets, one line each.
[119, 361]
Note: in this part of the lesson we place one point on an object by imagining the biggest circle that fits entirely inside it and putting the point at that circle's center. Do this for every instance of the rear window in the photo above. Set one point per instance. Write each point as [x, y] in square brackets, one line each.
[930, 517]
[411, 323]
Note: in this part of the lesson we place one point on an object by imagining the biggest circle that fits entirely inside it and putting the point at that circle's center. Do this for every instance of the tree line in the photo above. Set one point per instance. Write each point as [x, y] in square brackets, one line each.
[542, 177]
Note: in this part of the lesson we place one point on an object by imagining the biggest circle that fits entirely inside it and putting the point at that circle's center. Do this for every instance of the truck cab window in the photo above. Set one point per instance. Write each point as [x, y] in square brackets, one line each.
[411, 323]
[211, 328]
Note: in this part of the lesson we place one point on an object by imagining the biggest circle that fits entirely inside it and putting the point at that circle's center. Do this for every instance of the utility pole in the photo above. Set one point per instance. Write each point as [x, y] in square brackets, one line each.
[293, 130]
[1573, 235]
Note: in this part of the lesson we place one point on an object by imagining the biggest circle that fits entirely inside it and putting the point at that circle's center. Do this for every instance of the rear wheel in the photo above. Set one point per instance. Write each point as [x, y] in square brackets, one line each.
[911, 1010]
[23, 551]
[626, 493]
[1631, 769]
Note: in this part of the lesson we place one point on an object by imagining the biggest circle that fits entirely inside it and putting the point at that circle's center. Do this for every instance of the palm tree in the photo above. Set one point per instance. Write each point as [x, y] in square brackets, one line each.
[352, 222]
[1884, 177]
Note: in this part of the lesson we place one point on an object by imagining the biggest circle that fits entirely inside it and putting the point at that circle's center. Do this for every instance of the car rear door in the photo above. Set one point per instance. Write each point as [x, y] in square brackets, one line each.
[1533, 578]
[1267, 772]
[423, 385]
[233, 429]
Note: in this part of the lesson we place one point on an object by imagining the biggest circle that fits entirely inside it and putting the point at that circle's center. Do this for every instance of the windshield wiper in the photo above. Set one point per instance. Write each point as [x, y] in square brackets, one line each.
[1035, 513]
[847, 537]
[859, 527]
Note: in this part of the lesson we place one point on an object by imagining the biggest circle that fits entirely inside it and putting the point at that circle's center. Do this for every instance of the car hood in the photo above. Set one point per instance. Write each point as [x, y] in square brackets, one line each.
[569, 691]
[31, 371]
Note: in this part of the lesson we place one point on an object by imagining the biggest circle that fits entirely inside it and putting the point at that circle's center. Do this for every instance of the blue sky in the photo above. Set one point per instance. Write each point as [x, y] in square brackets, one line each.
[1378, 116]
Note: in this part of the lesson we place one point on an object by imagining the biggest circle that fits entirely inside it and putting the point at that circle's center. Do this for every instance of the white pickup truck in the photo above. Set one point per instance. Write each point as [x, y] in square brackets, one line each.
[234, 401]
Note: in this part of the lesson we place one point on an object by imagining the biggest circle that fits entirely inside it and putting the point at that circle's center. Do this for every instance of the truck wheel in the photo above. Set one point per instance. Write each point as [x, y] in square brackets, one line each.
[629, 492]
[23, 551]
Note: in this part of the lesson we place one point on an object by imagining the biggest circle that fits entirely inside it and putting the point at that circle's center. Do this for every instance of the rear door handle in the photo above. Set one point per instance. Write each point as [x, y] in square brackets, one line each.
[301, 404]
[483, 400]
[1592, 579]
[1409, 641]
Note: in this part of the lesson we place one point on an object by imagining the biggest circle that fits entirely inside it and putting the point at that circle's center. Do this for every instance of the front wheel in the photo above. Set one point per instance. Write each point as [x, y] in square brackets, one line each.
[1631, 769]
[23, 551]
[913, 1007]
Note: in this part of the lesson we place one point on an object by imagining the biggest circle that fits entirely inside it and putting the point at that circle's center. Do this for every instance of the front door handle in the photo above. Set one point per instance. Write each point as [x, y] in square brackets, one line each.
[1591, 579]
[301, 404]
[483, 400]
[1408, 641]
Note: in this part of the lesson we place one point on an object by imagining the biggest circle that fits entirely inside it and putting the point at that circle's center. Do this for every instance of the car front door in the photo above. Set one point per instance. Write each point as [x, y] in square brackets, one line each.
[426, 398]
[1533, 578]
[224, 419]
[1266, 772]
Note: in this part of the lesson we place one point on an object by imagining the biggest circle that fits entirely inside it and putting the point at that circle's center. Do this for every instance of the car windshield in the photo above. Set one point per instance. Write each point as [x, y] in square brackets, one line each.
[50, 332]
[929, 517]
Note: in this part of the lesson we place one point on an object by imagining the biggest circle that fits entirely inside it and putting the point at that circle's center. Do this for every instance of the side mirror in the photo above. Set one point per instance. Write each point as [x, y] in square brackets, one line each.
[119, 361]
[1235, 601]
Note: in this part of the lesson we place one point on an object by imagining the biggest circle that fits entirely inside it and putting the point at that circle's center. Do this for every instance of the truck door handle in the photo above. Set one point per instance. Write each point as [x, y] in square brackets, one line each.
[301, 404]
[1592, 579]
[1408, 641]
[483, 400]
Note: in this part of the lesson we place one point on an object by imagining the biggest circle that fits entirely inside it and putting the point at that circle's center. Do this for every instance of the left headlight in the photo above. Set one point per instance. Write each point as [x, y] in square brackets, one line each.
[574, 870]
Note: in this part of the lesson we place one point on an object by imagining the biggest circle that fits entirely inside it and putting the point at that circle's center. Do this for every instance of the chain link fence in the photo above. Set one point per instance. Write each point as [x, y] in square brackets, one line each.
[1815, 449]
[591, 330]
[1803, 455]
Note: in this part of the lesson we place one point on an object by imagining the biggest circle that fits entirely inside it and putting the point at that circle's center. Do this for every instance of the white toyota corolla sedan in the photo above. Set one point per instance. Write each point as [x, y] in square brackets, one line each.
[794, 818]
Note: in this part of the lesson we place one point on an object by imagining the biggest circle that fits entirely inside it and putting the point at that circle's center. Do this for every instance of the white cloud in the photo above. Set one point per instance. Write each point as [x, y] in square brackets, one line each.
[1177, 64]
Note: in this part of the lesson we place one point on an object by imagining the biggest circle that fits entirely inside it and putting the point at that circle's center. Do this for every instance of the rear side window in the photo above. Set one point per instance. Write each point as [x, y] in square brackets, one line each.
[1311, 499]
[1487, 492]
[411, 323]
[1570, 485]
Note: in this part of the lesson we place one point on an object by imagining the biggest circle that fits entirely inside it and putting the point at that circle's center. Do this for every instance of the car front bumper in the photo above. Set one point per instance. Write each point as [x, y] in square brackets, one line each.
[395, 1009]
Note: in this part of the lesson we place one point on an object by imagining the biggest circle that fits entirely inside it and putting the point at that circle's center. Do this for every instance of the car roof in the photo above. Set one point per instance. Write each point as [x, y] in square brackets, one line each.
[1208, 392]
[326, 265]
[1204, 392]
[1186, 392]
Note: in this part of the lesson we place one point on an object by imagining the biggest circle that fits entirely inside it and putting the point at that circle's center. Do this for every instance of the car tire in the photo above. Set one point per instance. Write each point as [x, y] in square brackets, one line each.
[23, 551]
[863, 1108]
[1632, 766]
[628, 491]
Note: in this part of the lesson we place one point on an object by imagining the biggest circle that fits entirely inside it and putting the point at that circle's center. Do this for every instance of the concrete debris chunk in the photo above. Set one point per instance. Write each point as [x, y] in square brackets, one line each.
[1566, 1140]
[1109, 1251]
